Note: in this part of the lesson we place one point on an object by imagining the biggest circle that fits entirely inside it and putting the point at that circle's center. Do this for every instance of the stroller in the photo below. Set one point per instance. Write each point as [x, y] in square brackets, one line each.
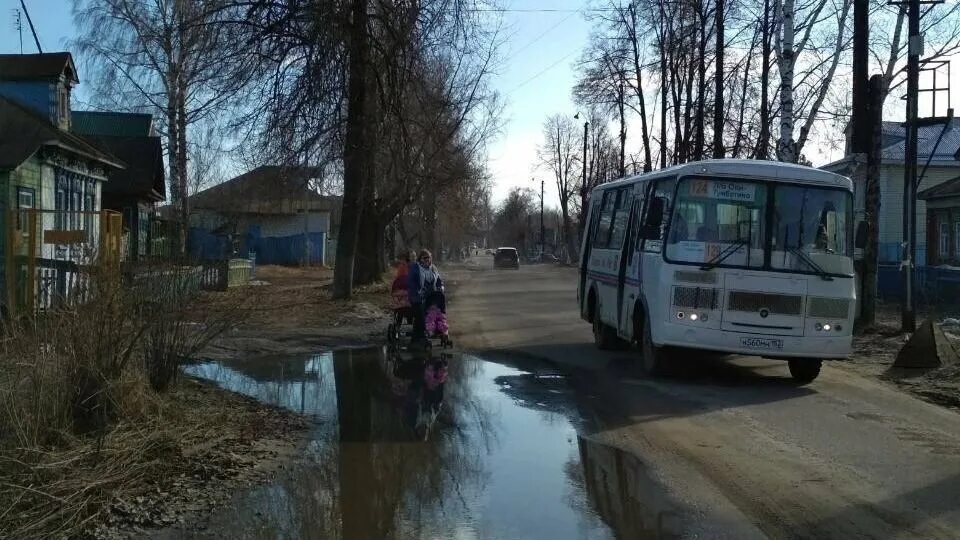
[401, 326]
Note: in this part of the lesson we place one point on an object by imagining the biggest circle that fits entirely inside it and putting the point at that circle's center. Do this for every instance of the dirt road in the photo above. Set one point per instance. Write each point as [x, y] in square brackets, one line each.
[732, 441]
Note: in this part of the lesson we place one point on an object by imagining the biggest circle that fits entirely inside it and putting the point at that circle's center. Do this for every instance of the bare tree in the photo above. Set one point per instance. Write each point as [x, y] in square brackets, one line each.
[181, 60]
[559, 154]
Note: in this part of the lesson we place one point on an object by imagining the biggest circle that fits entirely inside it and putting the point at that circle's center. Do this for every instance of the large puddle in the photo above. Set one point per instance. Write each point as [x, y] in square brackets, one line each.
[407, 447]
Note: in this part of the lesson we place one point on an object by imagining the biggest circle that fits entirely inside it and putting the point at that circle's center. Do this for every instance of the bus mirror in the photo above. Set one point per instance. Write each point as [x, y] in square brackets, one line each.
[860, 240]
[651, 226]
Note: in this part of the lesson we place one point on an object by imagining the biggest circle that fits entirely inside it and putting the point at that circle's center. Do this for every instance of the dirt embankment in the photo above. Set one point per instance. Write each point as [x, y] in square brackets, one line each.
[211, 442]
[876, 349]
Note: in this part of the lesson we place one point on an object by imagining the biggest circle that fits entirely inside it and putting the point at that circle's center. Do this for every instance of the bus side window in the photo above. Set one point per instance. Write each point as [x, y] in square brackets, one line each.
[602, 236]
[634, 238]
[664, 190]
[618, 228]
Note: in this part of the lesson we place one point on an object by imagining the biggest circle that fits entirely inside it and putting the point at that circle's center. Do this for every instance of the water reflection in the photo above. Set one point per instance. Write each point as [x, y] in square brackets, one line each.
[420, 447]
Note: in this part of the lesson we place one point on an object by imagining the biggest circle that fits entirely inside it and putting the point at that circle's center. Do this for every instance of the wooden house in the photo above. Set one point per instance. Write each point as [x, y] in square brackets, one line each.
[50, 181]
[136, 190]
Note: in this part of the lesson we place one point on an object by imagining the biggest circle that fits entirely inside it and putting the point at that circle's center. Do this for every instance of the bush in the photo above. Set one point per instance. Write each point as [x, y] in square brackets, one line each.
[70, 373]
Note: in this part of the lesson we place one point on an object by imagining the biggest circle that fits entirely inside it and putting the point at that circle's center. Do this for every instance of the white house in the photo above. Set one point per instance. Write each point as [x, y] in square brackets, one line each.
[944, 165]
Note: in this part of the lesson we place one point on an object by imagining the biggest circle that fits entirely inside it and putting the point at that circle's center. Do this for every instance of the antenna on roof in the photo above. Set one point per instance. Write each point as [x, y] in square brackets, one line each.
[18, 26]
[32, 29]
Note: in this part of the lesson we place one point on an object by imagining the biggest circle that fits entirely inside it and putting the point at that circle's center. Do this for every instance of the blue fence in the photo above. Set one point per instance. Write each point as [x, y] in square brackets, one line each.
[933, 284]
[890, 252]
[286, 251]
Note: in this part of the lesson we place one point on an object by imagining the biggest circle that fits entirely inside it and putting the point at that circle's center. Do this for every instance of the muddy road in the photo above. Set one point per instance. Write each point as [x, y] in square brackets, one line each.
[843, 457]
[532, 433]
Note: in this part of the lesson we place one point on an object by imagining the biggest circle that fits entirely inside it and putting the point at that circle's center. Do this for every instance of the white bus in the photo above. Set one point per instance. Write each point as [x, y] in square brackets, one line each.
[735, 256]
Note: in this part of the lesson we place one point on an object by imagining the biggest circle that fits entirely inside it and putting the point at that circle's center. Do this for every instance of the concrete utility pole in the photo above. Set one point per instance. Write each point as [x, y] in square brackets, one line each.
[914, 48]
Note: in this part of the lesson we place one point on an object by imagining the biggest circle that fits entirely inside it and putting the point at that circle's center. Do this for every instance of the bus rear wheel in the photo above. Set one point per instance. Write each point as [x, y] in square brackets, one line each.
[654, 359]
[603, 336]
[804, 370]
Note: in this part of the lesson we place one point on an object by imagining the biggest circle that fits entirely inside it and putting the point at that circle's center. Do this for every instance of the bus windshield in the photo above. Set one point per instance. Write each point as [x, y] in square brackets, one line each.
[720, 222]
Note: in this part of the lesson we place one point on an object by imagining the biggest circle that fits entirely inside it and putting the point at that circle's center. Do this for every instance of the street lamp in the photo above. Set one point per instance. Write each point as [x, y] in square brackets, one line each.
[583, 183]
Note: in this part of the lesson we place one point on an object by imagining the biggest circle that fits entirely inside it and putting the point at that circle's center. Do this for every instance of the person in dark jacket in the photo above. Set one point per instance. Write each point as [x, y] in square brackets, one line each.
[424, 281]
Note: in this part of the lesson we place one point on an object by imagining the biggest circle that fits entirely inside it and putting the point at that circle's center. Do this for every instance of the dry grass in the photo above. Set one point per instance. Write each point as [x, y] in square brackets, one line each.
[181, 441]
[80, 413]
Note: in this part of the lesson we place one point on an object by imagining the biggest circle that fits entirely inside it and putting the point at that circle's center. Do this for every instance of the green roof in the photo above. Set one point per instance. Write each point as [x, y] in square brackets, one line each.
[111, 124]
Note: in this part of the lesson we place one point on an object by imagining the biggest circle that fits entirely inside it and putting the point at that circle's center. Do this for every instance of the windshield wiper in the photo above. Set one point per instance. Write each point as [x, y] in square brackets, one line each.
[803, 256]
[723, 255]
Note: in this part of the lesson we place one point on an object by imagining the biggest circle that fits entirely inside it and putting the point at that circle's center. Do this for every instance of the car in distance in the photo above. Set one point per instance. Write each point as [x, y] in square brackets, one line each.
[506, 257]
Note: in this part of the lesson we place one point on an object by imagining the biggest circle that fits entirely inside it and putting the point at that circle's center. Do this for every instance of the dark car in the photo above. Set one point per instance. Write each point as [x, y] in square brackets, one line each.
[506, 257]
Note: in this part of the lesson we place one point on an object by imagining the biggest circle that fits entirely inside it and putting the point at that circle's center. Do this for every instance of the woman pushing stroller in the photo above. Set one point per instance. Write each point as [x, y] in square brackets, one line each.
[427, 301]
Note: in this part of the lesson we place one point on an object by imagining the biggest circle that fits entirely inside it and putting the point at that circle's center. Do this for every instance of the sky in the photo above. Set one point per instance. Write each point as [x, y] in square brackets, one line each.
[535, 78]
[542, 44]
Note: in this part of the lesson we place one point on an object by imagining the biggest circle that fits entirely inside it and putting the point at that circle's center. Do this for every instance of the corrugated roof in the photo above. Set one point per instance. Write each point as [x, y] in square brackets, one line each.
[25, 131]
[37, 67]
[948, 150]
[950, 188]
[112, 124]
[269, 189]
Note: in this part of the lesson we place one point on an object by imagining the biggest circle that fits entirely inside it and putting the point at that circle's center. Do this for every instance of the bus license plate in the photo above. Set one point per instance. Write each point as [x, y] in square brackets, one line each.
[762, 343]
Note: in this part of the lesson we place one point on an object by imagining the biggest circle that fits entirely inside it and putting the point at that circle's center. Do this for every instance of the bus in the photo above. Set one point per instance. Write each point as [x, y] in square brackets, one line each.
[731, 256]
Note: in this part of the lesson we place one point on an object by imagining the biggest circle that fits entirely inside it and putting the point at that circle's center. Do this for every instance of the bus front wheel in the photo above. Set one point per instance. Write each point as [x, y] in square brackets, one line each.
[654, 358]
[804, 370]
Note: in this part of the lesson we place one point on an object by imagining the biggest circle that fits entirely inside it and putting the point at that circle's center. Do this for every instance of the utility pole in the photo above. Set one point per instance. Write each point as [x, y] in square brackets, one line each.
[860, 120]
[914, 49]
[542, 230]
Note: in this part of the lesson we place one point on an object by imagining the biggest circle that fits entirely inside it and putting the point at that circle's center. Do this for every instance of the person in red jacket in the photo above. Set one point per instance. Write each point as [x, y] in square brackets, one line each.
[401, 282]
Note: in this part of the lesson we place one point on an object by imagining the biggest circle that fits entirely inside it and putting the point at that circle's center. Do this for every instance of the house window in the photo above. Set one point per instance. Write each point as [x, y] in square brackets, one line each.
[944, 248]
[956, 240]
[26, 200]
[64, 107]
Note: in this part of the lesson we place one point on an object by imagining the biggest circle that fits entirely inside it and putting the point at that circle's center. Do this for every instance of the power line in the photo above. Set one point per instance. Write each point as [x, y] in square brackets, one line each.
[541, 72]
[544, 33]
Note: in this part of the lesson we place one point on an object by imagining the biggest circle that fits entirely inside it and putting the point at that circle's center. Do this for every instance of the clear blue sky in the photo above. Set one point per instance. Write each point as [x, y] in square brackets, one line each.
[534, 79]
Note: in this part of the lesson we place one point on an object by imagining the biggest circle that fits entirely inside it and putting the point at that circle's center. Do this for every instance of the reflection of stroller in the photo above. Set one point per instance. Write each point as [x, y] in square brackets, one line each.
[435, 320]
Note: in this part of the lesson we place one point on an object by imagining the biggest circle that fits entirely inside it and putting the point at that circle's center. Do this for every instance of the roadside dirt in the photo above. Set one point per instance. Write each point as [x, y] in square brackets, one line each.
[295, 314]
[876, 349]
[212, 442]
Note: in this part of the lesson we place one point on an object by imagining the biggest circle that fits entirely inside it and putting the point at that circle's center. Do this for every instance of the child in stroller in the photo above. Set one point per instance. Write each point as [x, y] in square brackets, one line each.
[436, 316]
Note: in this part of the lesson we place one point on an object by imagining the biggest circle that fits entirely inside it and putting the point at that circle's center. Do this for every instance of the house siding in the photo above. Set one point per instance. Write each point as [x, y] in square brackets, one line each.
[891, 209]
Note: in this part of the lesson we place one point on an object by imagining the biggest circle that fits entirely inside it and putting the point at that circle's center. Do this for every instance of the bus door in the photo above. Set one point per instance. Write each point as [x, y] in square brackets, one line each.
[592, 217]
[630, 265]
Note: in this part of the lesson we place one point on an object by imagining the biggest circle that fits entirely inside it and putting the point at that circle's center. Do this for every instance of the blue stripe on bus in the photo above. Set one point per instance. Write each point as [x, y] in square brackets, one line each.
[611, 279]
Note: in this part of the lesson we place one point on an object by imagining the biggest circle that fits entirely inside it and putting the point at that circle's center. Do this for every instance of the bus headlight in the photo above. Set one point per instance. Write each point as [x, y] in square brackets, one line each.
[826, 328]
[679, 314]
[818, 327]
[693, 316]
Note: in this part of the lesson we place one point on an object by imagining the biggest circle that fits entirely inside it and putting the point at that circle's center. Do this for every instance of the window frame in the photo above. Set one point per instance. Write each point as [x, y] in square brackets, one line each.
[621, 210]
[21, 209]
[956, 239]
[767, 241]
[599, 232]
[943, 240]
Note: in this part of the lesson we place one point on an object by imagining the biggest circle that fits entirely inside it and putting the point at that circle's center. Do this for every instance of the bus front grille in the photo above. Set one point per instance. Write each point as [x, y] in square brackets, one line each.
[753, 302]
[695, 297]
[828, 308]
